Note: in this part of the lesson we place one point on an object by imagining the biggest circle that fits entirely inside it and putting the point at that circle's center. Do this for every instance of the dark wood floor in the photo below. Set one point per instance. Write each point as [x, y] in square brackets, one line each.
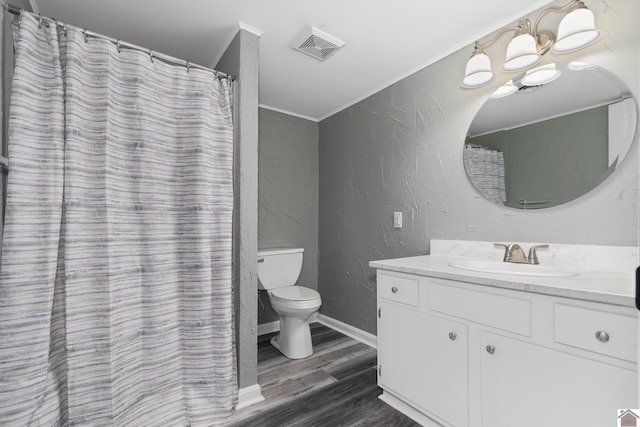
[334, 387]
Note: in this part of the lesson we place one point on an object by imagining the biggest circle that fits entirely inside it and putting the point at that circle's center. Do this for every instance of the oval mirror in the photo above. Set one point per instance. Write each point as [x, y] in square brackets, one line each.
[544, 144]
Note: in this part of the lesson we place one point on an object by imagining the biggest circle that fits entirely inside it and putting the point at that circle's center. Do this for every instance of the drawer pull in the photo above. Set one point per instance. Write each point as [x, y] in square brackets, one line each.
[453, 336]
[490, 349]
[402, 289]
[602, 336]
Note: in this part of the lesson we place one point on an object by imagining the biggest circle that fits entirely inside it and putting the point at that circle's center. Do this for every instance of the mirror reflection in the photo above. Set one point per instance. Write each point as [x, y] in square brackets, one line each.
[548, 138]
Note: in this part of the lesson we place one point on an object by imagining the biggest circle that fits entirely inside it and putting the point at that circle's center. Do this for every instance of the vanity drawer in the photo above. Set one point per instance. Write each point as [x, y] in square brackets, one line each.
[397, 287]
[580, 327]
[498, 311]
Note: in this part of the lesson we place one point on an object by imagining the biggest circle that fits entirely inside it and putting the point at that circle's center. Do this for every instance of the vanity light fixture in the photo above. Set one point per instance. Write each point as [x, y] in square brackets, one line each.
[522, 51]
[576, 31]
[478, 72]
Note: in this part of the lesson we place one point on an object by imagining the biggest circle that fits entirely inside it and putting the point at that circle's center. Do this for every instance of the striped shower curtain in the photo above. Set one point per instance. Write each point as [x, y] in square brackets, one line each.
[115, 286]
[485, 168]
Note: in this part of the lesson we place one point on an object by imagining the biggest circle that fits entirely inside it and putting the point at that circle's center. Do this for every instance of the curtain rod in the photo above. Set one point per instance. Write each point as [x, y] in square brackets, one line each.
[120, 44]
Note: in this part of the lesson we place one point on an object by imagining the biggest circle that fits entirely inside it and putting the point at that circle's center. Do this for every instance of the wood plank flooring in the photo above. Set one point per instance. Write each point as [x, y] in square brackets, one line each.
[334, 387]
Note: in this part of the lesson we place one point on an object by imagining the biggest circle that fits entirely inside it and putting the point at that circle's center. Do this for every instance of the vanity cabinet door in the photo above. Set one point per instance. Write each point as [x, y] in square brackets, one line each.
[532, 386]
[423, 359]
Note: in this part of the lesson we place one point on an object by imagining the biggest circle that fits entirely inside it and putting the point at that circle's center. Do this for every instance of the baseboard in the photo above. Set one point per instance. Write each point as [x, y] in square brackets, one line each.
[409, 411]
[348, 330]
[248, 396]
[267, 328]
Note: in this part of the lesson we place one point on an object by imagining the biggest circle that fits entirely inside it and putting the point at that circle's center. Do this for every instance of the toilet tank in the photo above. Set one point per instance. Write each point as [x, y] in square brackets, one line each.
[278, 268]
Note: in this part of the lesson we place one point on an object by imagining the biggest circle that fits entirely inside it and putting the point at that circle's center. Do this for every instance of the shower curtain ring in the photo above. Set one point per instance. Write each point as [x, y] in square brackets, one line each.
[151, 55]
[40, 21]
[118, 45]
[86, 38]
[65, 29]
[188, 65]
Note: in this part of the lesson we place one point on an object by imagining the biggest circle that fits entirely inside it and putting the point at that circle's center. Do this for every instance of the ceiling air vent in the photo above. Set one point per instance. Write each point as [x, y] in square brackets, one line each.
[317, 43]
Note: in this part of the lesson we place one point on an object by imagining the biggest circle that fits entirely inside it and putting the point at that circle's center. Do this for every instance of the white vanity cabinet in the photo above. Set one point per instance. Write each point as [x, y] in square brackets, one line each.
[425, 356]
[544, 387]
[461, 354]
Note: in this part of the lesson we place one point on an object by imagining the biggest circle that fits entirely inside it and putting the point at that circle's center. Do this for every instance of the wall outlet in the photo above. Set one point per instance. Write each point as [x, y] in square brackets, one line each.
[397, 220]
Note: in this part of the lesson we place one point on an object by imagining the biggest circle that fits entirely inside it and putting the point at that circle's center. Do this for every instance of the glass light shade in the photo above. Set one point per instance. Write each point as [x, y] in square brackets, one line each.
[478, 72]
[505, 90]
[521, 53]
[576, 31]
[541, 75]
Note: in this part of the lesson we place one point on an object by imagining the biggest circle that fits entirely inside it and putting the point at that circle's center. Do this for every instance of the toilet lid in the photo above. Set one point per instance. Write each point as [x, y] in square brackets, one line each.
[295, 293]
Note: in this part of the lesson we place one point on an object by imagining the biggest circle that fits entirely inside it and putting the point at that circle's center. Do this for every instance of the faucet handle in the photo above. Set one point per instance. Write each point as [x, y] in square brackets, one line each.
[506, 247]
[533, 256]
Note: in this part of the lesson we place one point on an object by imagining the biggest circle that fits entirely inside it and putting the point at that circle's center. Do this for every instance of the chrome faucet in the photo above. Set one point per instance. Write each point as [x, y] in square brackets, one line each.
[514, 253]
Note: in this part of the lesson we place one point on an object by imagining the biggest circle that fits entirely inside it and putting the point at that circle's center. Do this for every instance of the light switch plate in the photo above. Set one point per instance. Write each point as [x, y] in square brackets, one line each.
[397, 220]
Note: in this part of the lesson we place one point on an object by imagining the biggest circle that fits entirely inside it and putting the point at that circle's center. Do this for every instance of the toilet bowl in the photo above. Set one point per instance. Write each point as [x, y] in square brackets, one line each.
[296, 306]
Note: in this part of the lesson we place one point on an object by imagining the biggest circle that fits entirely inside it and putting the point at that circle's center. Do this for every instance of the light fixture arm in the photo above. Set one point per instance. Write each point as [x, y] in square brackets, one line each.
[519, 27]
[569, 7]
[544, 38]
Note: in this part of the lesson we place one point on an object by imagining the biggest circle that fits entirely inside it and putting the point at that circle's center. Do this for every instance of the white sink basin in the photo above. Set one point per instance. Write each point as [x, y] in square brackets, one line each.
[498, 267]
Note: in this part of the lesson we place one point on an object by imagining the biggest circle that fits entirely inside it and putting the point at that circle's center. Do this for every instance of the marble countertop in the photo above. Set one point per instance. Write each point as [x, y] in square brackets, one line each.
[611, 287]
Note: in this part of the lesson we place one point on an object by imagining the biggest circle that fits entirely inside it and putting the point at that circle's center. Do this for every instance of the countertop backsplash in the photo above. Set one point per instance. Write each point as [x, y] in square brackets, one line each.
[593, 257]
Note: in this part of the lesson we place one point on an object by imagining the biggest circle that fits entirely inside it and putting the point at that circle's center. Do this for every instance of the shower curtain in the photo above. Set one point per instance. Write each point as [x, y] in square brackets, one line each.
[115, 287]
[485, 168]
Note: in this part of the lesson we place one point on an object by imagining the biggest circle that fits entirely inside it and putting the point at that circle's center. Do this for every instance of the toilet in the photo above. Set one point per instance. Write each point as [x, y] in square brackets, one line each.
[296, 306]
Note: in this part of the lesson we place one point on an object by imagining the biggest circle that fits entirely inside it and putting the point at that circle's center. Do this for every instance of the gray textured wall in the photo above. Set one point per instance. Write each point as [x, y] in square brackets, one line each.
[288, 191]
[401, 150]
[373, 161]
[241, 59]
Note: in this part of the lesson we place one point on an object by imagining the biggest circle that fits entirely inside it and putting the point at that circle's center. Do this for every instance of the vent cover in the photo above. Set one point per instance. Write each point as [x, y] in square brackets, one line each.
[317, 43]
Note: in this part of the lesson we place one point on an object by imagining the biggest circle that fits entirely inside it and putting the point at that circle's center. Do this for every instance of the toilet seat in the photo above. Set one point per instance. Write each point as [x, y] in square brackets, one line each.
[294, 293]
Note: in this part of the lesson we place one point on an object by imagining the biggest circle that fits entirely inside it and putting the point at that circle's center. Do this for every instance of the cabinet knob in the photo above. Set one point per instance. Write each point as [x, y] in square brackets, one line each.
[453, 336]
[490, 349]
[602, 336]
[394, 289]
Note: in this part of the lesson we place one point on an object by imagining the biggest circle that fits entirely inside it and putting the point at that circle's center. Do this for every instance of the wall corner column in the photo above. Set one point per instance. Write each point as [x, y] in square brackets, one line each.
[241, 59]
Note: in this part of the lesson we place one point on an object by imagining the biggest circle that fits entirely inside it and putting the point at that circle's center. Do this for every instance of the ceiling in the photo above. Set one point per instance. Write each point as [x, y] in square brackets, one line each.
[385, 40]
[558, 98]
